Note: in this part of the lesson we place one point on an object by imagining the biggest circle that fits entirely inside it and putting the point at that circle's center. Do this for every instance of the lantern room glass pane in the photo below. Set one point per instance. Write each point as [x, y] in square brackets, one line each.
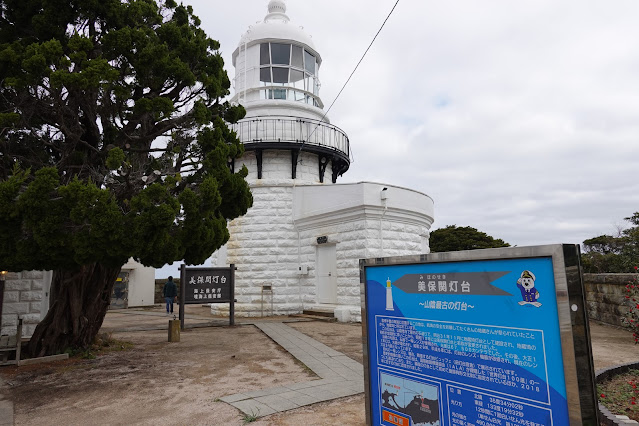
[309, 83]
[299, 96]
[297, 79]
[280, 75]
[280, 54]
[264, 55]
[278, 94]
[298, 57]
[265, 74]
[309, 62]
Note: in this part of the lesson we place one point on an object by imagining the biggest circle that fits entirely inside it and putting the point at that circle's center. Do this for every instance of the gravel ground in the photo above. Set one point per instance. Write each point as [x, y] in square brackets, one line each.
[157, 382]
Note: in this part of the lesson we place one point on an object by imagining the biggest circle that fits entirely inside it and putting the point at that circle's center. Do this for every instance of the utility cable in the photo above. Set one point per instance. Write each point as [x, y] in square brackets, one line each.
[349, 78]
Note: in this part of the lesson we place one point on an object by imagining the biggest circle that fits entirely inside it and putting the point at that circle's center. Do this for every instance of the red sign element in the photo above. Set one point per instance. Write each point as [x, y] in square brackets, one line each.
[395, 419]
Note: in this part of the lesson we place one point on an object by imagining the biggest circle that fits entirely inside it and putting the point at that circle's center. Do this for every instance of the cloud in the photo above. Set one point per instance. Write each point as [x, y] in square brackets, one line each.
[519, 118]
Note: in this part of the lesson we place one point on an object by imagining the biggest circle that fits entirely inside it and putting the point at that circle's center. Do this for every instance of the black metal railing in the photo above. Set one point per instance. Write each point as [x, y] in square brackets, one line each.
[292, 130]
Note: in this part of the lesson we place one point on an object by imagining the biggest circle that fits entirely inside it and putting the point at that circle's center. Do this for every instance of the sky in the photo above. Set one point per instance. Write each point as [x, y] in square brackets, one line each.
[519, 118]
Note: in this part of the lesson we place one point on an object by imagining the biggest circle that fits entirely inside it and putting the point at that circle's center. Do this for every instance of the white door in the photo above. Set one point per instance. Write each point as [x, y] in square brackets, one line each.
[326, 274]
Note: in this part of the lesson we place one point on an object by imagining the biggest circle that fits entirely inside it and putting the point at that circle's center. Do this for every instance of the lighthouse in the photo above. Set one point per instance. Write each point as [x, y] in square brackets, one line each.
[389, 296]
[285, 132]
[298, 248]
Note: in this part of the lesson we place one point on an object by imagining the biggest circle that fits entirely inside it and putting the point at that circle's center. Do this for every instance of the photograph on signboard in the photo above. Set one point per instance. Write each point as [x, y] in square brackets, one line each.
[486, 332]
[403, 399]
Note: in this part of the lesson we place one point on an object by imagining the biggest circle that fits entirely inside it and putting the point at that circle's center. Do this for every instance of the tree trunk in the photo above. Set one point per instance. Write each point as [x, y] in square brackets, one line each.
[79, 302]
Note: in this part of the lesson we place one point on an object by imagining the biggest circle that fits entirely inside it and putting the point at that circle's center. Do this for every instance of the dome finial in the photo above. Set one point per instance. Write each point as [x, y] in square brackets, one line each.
[277, 6]
[276, 11]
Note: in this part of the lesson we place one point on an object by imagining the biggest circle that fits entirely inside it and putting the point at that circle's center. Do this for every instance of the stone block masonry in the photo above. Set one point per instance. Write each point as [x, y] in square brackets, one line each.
[24, 297]
[605, 297]
[280, 233]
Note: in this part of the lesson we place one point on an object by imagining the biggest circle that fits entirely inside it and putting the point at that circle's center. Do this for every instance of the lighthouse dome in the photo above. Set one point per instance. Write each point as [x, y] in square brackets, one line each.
[277, 26]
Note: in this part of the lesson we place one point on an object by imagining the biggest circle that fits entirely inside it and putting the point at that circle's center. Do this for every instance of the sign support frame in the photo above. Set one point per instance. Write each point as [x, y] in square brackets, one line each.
[183, 278]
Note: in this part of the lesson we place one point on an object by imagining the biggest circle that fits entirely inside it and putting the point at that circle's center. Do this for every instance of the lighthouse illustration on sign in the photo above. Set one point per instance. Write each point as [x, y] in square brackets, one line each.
[389, 296]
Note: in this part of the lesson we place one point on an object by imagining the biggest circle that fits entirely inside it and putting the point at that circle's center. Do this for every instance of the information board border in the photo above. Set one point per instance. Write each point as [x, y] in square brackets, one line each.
[571, 309]
[231, 270]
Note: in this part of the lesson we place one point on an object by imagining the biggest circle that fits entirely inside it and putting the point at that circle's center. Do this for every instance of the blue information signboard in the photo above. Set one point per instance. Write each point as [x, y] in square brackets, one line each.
[471, 339]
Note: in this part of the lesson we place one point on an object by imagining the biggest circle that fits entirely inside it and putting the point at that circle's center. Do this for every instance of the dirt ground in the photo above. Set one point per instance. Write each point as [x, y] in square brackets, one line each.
[157, 382]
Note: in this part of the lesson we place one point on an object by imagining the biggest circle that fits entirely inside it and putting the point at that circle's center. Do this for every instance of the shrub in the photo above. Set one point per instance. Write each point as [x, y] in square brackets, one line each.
[631, 318]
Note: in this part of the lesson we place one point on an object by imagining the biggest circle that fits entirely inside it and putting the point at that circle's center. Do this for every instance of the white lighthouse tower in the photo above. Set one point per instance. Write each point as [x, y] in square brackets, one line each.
[285, 132]
[298, 247]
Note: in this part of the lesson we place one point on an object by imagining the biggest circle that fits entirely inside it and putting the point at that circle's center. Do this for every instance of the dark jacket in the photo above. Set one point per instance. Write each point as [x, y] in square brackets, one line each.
[170, 289]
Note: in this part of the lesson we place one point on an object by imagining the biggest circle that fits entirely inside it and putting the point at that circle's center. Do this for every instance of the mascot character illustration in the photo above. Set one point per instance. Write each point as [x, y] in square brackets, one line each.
[529, 293]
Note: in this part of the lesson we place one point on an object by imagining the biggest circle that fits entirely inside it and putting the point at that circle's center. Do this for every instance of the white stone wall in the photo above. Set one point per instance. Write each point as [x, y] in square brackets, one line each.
[270, 243]
[24, 296]
[263, 245]
[355, 239]
[277, 169]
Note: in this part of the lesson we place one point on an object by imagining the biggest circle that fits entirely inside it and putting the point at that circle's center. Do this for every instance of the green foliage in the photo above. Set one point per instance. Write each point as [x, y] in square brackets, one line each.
[454, 238]
[114, 143]
[115, 158]
[631, 317]
[613, 254]
[250, 418]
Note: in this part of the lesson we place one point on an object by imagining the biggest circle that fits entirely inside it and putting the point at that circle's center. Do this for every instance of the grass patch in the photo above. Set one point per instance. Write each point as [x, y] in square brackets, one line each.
[250, 418]
[620, 394]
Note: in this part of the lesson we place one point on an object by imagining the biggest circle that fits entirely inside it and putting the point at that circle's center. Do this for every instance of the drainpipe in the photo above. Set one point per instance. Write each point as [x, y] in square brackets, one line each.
[383, 196]
[299, 247]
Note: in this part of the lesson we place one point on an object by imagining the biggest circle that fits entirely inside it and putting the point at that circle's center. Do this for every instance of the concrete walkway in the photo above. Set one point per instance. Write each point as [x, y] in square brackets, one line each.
[339, 375]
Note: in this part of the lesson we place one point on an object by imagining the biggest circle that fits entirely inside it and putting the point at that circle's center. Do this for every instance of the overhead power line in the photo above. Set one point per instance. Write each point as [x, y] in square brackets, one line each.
[351, 76]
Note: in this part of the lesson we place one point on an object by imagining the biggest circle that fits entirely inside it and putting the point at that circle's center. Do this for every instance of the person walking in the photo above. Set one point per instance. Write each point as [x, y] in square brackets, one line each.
[170, 293]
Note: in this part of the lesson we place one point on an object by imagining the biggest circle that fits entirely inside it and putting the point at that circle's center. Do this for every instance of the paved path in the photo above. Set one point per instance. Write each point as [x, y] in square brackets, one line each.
[339, 375]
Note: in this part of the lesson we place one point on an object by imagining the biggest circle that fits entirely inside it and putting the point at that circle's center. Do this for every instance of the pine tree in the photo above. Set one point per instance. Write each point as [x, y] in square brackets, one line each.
[114, 145]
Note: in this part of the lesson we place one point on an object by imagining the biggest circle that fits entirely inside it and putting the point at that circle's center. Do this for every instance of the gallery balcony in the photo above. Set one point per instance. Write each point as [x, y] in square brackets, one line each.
[296, 134]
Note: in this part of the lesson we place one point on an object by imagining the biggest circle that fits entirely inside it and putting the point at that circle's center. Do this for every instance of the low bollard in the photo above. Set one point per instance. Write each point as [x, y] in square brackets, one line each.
[174, 330]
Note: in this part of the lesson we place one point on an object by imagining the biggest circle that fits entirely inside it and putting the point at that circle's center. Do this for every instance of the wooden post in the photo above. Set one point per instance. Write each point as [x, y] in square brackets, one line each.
[174, 330]
[19, 341]
[182, 293]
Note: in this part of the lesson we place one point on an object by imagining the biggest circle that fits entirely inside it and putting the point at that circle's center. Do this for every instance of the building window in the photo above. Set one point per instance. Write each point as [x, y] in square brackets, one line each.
[289, 65]
[309, 62]
[280, 54]
[265, 75]
[265, 56]
[298, 57]
[280, 75]
[278, 94]
[275, 94]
